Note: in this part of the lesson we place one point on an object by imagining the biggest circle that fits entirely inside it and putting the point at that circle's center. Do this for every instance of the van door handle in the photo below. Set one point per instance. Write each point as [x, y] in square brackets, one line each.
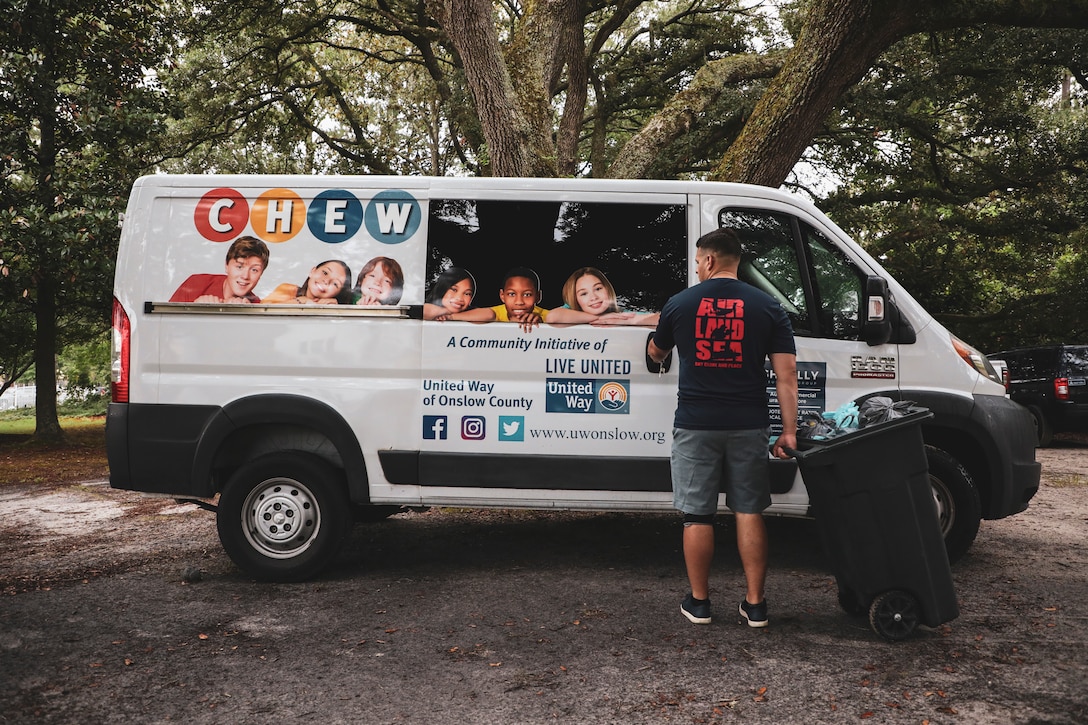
[659, 368]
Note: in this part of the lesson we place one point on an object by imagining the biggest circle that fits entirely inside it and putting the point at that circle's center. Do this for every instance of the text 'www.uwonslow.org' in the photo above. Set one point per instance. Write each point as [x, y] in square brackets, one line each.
[610, 434]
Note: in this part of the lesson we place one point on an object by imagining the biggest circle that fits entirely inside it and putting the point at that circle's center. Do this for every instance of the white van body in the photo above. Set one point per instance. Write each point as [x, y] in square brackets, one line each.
[298, 415]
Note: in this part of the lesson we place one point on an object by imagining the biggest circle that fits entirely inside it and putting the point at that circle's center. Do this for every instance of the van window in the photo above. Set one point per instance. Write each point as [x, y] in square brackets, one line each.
[641, 248]
[828, 283]
[838, 287]
[770, 260]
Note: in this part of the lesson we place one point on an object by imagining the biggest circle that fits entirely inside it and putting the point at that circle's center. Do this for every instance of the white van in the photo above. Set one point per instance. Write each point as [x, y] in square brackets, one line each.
[304, 417]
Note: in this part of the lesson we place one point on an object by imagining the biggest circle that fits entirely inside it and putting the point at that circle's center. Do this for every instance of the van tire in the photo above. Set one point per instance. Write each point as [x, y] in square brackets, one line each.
[283, 517]
[1044, 432]
[959, 510]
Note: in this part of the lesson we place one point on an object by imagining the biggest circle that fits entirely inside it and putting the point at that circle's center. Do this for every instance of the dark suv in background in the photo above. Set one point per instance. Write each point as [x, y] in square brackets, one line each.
[1052, 383]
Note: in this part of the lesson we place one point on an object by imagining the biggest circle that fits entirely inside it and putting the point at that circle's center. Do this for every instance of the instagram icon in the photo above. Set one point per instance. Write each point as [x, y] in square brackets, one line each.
[473, 428]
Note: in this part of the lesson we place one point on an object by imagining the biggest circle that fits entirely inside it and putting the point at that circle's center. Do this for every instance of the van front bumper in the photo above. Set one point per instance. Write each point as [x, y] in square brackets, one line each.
[1010, 448]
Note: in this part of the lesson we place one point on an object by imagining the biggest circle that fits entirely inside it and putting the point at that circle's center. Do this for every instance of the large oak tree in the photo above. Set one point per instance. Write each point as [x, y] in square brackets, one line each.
[77, 105]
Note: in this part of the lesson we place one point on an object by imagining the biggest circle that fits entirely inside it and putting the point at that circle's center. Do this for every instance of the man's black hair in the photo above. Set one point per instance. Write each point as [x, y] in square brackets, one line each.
[722, 242]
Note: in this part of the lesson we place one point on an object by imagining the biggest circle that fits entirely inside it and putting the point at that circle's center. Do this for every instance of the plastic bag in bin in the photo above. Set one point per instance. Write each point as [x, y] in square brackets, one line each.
[881, 409]
[819, 426]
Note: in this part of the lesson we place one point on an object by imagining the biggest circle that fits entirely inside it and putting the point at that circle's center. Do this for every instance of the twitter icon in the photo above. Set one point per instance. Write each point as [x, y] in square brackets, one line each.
[511, 428]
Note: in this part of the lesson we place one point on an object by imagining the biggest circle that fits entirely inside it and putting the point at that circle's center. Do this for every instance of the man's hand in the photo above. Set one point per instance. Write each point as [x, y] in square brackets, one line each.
[785, 443]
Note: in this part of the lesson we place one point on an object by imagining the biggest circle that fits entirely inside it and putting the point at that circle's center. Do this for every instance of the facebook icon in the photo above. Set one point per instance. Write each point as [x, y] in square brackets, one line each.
[434, 426]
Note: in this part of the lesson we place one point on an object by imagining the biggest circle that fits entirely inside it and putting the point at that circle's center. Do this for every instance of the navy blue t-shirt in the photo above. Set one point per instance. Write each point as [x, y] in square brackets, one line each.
[723, 330]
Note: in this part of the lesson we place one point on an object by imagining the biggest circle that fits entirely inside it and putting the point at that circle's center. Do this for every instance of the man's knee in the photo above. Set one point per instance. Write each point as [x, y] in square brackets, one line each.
[698, 519]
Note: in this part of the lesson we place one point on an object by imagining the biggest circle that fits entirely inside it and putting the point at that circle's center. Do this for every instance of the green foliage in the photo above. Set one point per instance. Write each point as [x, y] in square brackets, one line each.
[86, 365]
[90, 406]
[80, 113]
[358, 86]
[964, 171]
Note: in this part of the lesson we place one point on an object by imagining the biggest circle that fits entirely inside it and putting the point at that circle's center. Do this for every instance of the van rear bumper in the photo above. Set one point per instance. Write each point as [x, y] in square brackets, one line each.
[151, 448]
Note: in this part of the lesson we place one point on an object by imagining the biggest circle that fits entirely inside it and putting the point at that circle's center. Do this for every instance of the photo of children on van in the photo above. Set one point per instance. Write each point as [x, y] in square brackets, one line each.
[326, 284]
[452, 292]
[589, 298]
[247, 259]
[581, 263]
[381, 282]
[518, 296]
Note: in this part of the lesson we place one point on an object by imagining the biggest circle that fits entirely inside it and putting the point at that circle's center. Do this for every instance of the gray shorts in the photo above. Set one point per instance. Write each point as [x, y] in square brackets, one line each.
[705, 462]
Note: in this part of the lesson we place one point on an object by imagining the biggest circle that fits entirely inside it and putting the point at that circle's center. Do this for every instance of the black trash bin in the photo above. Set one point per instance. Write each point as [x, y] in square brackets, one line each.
[870, 494]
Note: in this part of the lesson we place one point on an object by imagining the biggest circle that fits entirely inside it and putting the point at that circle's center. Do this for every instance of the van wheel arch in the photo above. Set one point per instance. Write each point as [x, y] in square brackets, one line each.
[256, 425]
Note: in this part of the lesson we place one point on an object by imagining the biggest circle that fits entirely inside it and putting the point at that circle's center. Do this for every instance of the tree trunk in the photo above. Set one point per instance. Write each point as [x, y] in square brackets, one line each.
[673, 121]
[571, 51]
[516, 118]
[838, 44]
[47, 424]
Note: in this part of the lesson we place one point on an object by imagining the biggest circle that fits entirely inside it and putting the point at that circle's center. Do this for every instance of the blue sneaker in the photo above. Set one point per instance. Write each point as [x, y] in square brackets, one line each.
[756, 614]
[697, 613]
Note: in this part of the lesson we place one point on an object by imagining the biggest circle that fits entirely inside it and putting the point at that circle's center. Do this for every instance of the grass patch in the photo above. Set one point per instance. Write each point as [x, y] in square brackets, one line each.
[1067, 480]
[81, 457]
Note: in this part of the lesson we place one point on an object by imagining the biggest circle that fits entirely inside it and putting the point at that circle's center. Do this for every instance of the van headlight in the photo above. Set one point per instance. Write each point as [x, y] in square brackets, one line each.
[975, 359]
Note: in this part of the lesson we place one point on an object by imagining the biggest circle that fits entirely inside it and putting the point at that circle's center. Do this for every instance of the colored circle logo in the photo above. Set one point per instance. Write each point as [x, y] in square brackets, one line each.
[334, 216]
[278, 215]
[612, 396]
[392, 216]
[221, 215]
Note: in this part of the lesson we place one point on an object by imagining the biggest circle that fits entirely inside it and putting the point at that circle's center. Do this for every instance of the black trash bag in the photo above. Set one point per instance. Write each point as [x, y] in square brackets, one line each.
[815, 426]
[881, 409]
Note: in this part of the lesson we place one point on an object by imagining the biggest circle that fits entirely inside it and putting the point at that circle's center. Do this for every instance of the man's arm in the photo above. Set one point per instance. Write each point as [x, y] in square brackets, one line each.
[657, 354]
[785, 372]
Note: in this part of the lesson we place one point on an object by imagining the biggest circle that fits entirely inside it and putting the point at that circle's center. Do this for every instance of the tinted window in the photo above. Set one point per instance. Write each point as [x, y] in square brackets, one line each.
[770, 260]
[838, 286]
[1075, 360]
[641, 248]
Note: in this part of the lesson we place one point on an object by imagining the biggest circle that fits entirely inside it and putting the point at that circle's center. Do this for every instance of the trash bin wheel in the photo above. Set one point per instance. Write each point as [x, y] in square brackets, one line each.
[849, 601]
[894, 615]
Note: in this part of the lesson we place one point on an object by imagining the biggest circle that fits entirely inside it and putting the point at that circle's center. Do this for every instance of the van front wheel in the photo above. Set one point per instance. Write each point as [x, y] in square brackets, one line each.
[958, 508]
[282, 517]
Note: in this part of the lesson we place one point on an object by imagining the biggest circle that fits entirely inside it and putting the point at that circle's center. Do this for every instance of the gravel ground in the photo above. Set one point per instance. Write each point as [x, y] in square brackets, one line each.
[115, 607]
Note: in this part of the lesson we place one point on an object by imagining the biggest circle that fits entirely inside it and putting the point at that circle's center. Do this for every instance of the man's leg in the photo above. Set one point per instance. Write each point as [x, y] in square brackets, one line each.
[752, 546]
[698, 555]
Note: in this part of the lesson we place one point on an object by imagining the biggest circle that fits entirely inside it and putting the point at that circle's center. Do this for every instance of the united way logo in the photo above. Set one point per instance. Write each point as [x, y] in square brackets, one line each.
[612, 396]
[587, 395]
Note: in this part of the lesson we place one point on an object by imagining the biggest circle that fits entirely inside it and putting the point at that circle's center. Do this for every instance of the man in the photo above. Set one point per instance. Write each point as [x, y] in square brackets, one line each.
[247, 258]
[724, 330]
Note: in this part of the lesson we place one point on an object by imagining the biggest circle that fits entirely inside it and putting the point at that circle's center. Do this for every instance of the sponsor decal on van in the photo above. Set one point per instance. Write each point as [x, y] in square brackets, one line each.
[587, 395]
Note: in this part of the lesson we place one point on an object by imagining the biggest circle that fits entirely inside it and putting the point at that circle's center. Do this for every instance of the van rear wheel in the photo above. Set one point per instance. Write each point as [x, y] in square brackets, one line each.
[283, 517]
[959, 510]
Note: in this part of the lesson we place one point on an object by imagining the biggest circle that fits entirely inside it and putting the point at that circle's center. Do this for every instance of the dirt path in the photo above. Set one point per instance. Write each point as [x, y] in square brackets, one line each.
[114, 606]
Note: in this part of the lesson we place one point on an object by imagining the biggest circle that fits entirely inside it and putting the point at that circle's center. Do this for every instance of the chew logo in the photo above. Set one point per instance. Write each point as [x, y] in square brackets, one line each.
[333, 216]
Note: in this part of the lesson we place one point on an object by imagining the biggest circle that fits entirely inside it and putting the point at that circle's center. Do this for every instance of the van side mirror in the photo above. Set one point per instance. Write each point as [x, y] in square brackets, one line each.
[876, 329]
